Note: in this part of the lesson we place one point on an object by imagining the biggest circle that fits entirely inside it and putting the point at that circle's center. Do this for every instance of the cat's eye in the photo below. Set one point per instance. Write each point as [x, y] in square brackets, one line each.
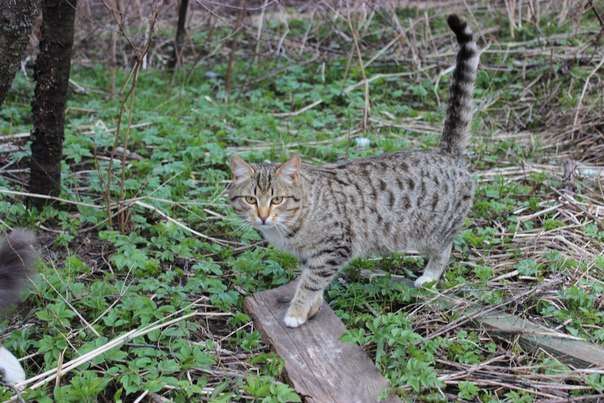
[275, 201]
[250, 199]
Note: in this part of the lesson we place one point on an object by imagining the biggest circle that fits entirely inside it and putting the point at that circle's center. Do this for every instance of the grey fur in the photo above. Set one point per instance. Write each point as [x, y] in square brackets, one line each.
[329, 215]
[459, 112]
[17, 255]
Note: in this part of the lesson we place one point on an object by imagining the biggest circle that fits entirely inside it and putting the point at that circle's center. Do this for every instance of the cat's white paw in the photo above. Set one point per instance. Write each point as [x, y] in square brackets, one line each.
[424, 279]
[11, 371]
[293, 321]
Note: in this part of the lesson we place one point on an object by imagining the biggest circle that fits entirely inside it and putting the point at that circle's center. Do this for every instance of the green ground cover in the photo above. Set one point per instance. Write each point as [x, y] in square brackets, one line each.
[101, 278]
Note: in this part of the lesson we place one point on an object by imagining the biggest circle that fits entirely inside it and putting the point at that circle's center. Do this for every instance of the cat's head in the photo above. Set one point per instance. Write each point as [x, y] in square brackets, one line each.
[266, 194]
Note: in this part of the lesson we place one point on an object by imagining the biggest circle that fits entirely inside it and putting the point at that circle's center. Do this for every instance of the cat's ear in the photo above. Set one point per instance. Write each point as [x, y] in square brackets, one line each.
[290, 170]
[241, 170]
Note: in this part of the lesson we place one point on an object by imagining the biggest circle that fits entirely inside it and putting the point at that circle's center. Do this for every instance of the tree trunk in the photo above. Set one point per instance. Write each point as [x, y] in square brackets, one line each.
[51, 73]
[16, 19]
[180, 35]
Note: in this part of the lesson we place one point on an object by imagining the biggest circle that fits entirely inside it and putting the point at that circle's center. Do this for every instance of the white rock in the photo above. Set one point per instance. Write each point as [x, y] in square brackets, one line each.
[362, 142]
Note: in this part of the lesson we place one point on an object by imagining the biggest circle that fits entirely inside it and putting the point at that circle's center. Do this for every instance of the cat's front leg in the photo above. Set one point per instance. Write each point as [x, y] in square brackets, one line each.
[317, 274]
[305, 305]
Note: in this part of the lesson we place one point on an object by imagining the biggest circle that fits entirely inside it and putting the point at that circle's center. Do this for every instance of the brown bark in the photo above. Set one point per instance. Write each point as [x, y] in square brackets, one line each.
[16, 19]
[180, 35]
[51, 73]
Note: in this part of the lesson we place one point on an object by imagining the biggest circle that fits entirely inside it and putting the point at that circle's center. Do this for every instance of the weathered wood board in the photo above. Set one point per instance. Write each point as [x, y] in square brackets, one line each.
[324, 369]
[532, 336]
[578, 353]
[319, 366]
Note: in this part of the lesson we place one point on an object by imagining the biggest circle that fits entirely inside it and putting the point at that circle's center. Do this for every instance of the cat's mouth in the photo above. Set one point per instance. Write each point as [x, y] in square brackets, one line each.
[264, 223]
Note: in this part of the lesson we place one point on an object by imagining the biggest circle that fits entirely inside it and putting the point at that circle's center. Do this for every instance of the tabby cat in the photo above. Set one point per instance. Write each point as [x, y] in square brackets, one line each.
[16, 257]
[328, 215]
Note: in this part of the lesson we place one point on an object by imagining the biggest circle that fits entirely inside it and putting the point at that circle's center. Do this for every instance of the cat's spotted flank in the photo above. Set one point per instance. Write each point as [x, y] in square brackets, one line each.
[330, 214]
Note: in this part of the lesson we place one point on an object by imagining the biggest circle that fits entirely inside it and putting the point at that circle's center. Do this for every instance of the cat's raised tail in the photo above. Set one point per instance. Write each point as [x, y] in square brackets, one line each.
[459, 111]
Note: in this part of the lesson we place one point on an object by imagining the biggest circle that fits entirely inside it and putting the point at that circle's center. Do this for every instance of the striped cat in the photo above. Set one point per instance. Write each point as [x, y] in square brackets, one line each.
[328, 215]
[16, 257]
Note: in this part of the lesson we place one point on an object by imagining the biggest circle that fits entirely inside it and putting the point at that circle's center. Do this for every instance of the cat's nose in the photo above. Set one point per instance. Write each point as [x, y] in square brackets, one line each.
[263, 216]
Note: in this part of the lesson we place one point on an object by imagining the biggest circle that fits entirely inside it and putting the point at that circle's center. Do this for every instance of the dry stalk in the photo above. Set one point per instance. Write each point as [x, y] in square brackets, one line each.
[591, 74]
[128, 91]
[355, 40]
[48, 376]
[259, 33]
[233, 48]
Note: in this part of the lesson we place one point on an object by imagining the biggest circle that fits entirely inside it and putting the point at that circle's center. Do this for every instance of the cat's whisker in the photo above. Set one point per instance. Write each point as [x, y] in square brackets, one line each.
[281, 228]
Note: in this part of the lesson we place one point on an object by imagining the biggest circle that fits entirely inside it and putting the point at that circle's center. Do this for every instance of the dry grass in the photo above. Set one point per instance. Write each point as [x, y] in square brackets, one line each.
[568, 144]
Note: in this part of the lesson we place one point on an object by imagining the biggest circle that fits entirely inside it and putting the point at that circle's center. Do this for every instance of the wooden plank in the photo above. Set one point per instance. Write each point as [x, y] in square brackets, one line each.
[568, 349]
[319, 366]
[323, 369]
[532, 336]
[578, 353]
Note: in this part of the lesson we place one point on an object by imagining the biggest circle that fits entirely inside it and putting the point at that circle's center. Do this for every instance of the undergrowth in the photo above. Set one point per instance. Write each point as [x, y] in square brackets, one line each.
[96, 283]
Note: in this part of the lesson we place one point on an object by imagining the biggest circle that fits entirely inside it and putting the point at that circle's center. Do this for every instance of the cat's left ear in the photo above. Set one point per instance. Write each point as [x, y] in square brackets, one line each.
[241, 170]
[290, 170]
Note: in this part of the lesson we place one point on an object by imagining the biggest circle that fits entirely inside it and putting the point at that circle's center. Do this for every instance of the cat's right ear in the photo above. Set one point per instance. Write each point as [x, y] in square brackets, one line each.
[241, 170]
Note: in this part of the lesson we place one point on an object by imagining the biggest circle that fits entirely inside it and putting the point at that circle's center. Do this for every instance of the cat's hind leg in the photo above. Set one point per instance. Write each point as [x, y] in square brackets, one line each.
[437, 263]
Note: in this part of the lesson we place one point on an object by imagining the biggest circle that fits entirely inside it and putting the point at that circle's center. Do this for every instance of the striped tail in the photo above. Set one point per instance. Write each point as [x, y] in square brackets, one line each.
[459, 111]
[17, 254]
